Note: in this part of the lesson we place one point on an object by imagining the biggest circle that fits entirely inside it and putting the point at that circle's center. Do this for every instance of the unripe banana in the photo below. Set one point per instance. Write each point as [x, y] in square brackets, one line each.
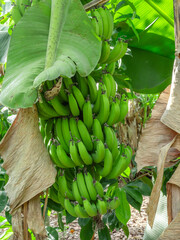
[110, 23]
[99, 188]
[85, 156]
[99, 154]
[105, 23]
[118, 52]
[73, 105]
[78, 96]
[59, 134]
[63, 187]
[85, 136]
[75, 154]
[111, 68]
[96, 14]
[104, 110]
[105, 51]
[109, 137]
[46, 108]
[82, 186]
[49, 128]
[90, 186]
[108, 163]
[87, 114]
[120, 165]
[64, 158]
[123, 108]
[97, 130]
[54, 156]
[92, 88]
[107, 82]
[66, 130]
[68, 82]
[101, 206]
[95, 25]
[76, 193]
[90, 208]
[113, 85]
[80, 211]
[69, 207]
[82, 85]
[63, 94]
[60, 198]
[114, 114]
[74, 129]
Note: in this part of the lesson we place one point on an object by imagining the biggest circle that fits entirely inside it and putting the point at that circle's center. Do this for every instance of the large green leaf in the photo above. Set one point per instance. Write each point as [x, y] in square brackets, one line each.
[149, 72]
[78, 50]
[4, 40]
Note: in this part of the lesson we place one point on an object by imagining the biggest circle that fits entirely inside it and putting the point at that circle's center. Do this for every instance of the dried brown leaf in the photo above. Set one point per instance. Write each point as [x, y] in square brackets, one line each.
[26, 159]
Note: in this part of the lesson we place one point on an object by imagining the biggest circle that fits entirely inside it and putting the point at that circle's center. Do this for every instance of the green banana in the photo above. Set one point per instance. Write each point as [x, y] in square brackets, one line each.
[97, 130]
[54, 156]
[85, 156]
[110, 68]
[95, 25]
[113, 85]
[109, 137]
[114, 203]
[75, 154]
[74, 128]
[108, 163]
[90, 186]
[63, 187]
[73, 105]
[82, 85]
[107, 82]
[123, 108]
[78, 96]
[85, 136]
[49, 128]
[76, 193]
[114, 114]
[105, 23]
[80, 211]
[46, 108]
[66, 131]
[69, 207]
[118, 52]
[82, 186]
[110, 23]
[92, 88]
[90, 208]
[105, 51]
[68, 82]
[64, 158]
[99, 154]
[97, 15]
[59, 134]
[121, 163]
[99, 188]
[104, 110]
[87, 114]
[101, 206]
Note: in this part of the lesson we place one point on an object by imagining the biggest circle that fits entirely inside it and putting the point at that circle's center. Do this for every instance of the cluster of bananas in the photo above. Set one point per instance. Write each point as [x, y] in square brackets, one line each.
[77, 126]
[80, 194]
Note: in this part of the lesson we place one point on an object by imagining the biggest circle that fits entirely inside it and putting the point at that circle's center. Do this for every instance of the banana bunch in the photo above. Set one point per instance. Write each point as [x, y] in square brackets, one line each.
[77, 125]
[82, 196]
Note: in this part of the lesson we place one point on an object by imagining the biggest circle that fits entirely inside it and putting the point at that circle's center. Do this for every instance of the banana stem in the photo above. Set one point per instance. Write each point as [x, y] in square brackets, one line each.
[59, 10]
[161, 12]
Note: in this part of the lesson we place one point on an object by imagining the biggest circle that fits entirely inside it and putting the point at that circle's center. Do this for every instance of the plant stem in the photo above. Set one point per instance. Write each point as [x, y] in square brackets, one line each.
[161, 12]
[59, 10]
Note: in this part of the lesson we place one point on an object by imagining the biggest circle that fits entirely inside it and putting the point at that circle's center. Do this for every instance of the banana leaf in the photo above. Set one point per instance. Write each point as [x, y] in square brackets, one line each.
[150, 68]
[78, 49]
[4, 40]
